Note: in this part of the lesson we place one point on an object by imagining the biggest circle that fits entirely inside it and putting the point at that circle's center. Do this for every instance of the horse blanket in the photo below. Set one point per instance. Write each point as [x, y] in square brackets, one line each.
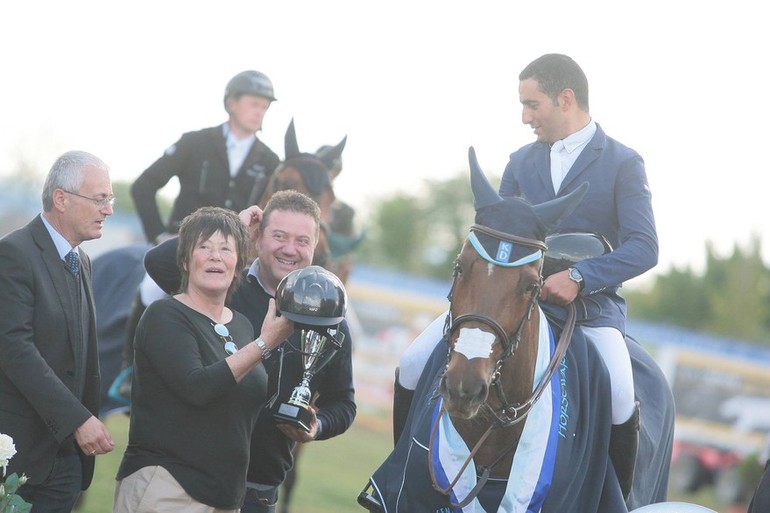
[116, 277]
[579, 476]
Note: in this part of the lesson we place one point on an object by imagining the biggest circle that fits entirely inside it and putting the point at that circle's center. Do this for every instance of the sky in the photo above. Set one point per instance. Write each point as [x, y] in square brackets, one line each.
[412, 85]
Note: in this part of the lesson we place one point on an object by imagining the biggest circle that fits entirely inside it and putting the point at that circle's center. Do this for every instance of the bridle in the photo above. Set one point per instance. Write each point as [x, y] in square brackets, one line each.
[510, 344]
[508, 414]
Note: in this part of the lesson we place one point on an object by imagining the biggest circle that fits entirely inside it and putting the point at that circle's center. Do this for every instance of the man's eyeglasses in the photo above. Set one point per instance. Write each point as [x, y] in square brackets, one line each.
[224, 333]
[99, 202]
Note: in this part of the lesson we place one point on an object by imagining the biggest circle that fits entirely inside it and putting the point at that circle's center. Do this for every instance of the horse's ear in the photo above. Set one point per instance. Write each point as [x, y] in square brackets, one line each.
[291, 148]
[551, 213]
[331, 155]
[484, 194]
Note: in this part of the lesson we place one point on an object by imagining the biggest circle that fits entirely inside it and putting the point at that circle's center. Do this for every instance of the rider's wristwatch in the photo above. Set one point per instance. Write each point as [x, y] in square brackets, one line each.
[575, 276]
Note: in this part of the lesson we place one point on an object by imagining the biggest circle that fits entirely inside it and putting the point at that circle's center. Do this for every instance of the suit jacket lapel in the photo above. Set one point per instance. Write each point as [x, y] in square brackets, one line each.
[589, 154]
[543, 168]
[56, 270]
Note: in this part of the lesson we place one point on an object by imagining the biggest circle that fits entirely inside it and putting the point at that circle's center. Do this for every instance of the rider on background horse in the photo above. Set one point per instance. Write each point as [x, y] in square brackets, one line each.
[223, 166]
[571, 148]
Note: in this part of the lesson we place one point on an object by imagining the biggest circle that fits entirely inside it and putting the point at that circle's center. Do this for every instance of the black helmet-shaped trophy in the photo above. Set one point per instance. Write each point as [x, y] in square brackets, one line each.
[312, 297]
[250, 82]
[315, 300]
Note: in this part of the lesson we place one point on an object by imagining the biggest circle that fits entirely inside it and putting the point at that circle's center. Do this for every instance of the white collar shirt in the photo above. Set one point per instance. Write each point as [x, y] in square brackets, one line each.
[62, 246]
[237, 149]
[565, 152]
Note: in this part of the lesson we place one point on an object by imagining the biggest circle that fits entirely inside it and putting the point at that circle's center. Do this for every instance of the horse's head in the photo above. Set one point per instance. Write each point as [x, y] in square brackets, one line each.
[309, 174]
[497, 279]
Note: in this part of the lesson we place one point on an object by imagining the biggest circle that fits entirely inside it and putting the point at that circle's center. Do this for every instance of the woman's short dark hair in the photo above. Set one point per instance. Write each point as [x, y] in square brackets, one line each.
[202, 224]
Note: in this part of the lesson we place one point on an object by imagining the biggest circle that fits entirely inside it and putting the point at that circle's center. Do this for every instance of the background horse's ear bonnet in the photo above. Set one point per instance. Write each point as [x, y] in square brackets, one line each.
[331, 154]
[290, 146]
[314, 168]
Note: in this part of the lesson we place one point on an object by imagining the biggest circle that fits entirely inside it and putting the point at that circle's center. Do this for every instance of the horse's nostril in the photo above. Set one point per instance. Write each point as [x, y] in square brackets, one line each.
[463, 391]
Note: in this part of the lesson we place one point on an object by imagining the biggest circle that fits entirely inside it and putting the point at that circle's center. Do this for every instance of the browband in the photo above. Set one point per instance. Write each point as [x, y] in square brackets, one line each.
[510, 238]
[537, 255]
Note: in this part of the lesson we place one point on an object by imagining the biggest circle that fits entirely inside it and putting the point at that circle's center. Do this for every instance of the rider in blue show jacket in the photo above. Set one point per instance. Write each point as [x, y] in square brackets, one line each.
[617, 206]
[571, 149]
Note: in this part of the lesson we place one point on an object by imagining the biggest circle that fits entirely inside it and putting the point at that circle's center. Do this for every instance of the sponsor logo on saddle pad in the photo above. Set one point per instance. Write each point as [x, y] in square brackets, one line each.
[564, 406]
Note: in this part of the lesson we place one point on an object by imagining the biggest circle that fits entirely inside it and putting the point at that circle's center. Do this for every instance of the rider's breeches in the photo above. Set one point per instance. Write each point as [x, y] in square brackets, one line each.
[612, 347]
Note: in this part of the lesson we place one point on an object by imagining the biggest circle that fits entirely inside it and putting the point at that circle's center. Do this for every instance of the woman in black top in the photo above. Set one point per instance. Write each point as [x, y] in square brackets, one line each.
[199, 383]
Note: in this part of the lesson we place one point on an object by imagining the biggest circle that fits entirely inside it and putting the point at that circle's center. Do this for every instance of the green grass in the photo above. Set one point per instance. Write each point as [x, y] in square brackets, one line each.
[330, 473]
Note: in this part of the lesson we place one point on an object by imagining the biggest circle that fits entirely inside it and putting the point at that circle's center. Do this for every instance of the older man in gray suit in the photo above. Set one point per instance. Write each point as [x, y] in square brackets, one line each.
[49, 370]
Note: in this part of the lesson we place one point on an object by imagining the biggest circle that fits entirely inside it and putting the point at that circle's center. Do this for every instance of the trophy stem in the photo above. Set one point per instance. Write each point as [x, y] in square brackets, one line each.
[316, 349]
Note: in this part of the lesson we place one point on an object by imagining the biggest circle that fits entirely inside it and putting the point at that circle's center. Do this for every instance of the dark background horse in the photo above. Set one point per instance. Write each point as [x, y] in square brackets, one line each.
[490, 410]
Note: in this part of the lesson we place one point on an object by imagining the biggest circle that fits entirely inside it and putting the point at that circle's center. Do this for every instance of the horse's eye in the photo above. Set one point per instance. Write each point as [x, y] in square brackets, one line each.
[458, 270]
[532, 288]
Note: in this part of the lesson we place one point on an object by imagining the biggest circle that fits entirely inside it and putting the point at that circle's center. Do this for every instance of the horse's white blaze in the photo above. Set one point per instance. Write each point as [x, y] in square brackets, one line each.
[474, 343]
[490, 268]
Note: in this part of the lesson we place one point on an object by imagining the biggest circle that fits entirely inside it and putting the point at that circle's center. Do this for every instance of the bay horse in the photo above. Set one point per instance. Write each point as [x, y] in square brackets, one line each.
[512, 413]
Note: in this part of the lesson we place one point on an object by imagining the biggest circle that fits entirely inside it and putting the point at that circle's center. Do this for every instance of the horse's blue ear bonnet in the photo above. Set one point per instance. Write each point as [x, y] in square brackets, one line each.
[314, 169]
[514, 217]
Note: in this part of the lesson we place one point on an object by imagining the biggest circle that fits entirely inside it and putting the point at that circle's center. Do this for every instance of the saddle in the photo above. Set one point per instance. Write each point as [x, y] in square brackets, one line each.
[568, 248]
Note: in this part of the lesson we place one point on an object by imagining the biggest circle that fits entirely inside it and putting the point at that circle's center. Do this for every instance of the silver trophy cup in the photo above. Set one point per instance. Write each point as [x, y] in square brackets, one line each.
[317, 350]
[315, 300]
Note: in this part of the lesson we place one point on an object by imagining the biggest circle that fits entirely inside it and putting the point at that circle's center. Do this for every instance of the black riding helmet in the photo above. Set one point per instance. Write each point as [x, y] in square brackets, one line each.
[312, 297]
[250, 82]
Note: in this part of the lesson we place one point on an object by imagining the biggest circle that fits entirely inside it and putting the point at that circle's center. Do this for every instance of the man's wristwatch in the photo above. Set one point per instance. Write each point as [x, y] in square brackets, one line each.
[575, 276]
[263, 347]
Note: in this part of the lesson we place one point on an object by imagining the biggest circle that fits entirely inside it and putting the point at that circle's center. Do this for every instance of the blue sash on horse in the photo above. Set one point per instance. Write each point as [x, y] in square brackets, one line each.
[576, 416]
